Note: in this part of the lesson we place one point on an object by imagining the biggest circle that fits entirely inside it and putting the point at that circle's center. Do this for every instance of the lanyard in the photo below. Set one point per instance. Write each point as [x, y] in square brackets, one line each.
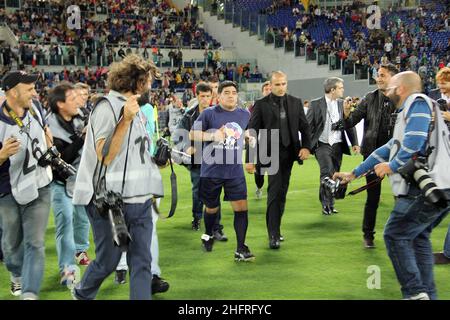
[19, 121]
[16, 118]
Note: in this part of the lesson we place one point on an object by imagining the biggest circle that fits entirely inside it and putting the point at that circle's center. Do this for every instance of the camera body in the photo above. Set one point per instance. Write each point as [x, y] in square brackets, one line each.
[110, 207]
[336, 189]
[442, 103]
[51, 158]
[416, 171]
[164, 152]
[338, 126]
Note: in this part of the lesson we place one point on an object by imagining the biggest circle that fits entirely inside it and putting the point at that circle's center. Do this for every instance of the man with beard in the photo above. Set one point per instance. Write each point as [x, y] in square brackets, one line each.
[408, 229]
[376, 109]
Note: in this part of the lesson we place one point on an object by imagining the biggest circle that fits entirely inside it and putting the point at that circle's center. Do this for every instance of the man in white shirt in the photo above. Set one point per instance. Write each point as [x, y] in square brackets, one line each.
[328, 141]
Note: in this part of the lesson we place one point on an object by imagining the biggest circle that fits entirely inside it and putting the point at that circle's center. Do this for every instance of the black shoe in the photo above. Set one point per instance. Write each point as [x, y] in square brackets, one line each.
[16, 288]
[219, 236]
[196, 224]
[243, 254]
[121, 277]
[333, 210]
[159, 285]
[274, 243]
[326, 211]
[440, 258]
[207, 242]
[369, 244]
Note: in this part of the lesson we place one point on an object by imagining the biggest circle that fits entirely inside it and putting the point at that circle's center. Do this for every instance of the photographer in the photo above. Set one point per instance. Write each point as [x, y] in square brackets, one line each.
[83, 92]
[327, 136]
[442, 96]
[376, 110]
[159, 285]
[68, 134]
[176, 111]
[81, 224]
[117, 139]
[24, 184]
[419, 207]
[442, 93]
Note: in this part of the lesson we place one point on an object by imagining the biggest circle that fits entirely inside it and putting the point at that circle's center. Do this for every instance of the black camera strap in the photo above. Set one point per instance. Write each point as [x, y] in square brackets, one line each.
[101, 181]
[173, 186]
[368, 185]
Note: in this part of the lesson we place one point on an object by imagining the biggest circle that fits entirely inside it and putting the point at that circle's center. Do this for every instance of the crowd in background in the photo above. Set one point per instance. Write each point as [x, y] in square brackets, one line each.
[405, 41]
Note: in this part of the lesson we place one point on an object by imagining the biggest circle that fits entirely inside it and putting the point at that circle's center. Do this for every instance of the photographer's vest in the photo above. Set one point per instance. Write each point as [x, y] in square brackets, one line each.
[58, 131]
[142, 178]
[26, 176]
[438, 161]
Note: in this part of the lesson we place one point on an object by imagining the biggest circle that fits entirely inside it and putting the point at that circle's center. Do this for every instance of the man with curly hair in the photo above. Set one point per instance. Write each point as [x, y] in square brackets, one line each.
[115, 150]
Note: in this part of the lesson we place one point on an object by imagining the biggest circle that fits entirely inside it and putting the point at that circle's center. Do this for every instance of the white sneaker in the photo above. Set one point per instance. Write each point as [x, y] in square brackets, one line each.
[419, 296]
[258, 193]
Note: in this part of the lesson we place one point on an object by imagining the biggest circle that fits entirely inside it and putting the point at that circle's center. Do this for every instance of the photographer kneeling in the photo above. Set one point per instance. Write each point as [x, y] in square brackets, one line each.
[68, 133]
[421, 194]
[117, 139]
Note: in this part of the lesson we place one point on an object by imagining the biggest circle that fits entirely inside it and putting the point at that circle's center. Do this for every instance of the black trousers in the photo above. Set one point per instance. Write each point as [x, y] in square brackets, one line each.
[370, 209]
[330, 160]
[276, 192]
[259, 176]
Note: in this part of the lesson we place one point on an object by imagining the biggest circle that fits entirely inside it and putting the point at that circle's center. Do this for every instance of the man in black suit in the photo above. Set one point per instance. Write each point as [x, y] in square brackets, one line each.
[327, 136]
[281, 116]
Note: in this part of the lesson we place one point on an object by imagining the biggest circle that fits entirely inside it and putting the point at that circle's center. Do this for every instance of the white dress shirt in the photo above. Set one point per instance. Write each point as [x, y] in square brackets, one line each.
[331, 136]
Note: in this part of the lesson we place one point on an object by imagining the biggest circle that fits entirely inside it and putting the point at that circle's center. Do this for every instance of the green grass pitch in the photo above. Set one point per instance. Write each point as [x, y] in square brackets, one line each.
[322, 257]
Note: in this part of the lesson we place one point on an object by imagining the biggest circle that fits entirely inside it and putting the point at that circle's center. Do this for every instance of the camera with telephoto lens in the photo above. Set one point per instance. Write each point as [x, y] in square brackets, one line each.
[164, 152]
[337, 126]
[110, 207]
[51, 158]
[416, 171]
[336, 189]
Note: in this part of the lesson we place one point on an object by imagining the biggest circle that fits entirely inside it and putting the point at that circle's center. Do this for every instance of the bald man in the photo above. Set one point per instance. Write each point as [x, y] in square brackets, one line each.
[407, 231]
[279, 115]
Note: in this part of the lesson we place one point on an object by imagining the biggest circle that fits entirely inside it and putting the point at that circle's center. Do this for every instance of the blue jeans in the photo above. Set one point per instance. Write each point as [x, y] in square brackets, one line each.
[139, 221]
[407, 237]
[63, 211]
[81, 228]
[154, 250]
[197, 204]
[23, 239]
[446, 243]
[1, 232]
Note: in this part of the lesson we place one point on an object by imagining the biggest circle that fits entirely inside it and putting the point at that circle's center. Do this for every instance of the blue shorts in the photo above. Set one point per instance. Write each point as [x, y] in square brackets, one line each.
[211, 188]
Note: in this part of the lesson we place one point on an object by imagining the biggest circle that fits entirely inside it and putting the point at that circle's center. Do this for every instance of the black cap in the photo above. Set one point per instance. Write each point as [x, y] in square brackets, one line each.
[12, 79]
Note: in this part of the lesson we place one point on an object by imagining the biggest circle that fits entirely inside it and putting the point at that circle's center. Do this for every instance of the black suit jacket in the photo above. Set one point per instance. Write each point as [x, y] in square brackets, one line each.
[266, 115]
[317, 116]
